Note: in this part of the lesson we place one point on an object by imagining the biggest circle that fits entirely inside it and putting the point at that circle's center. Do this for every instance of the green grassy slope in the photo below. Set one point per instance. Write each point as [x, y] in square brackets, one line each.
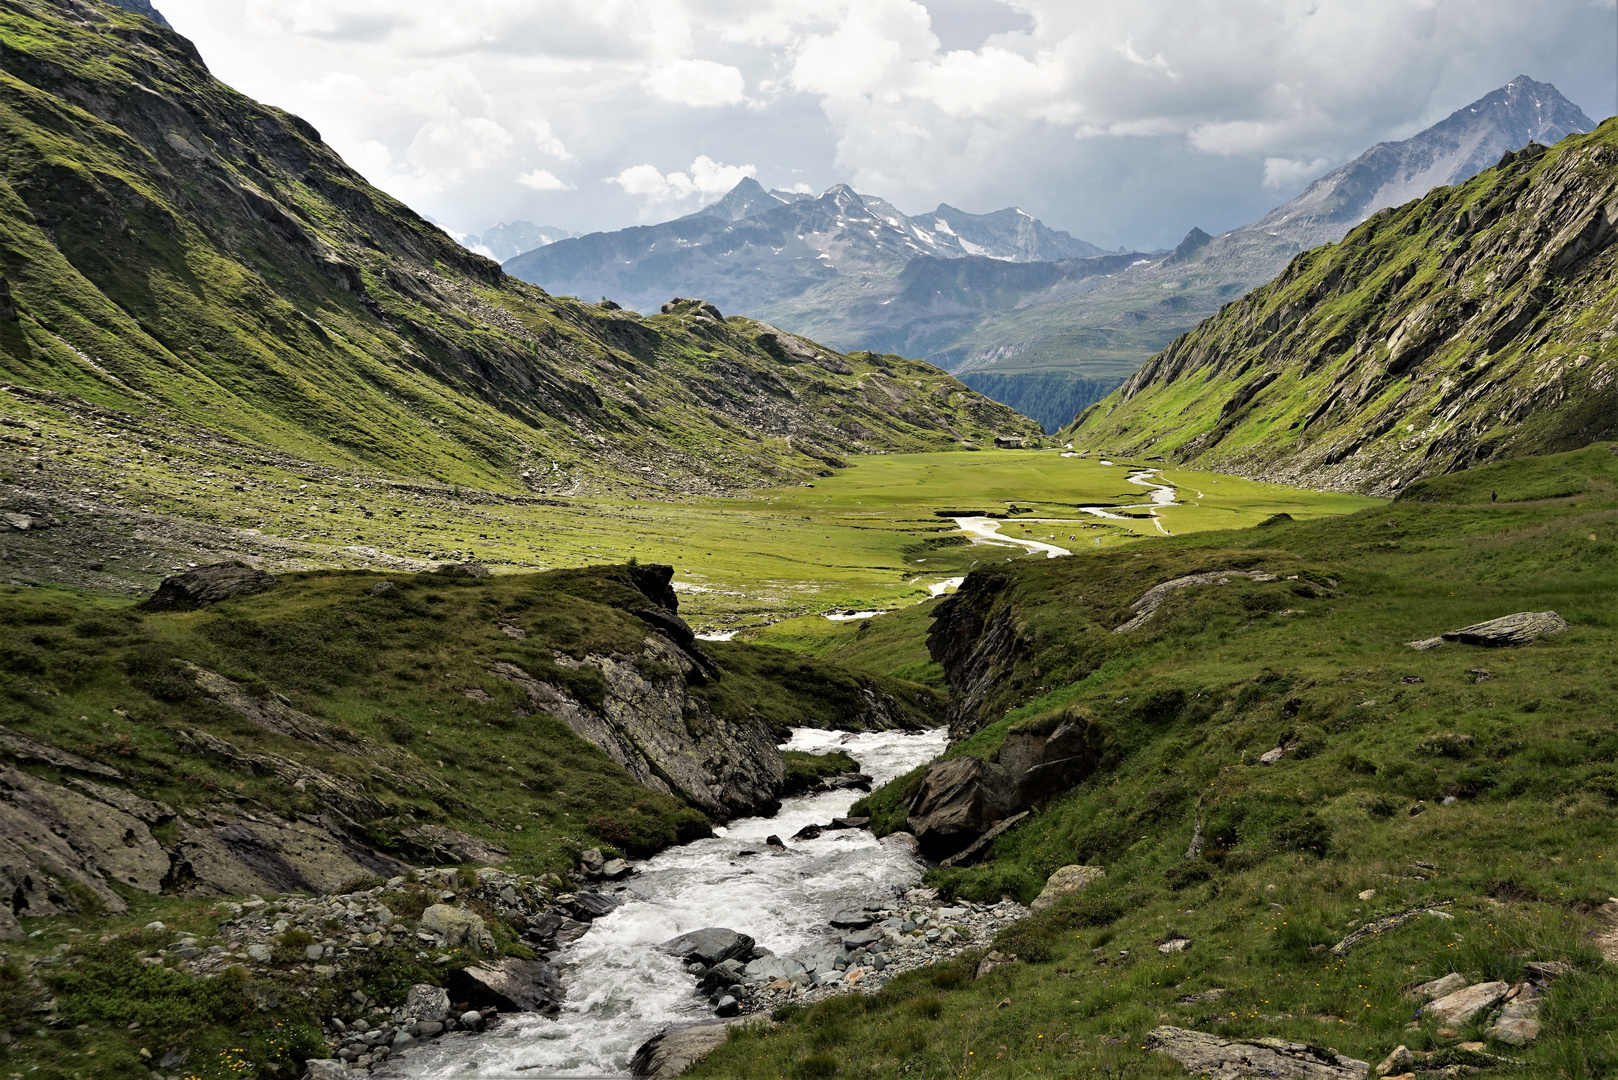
[107, 680]
[1468, 326]
[177, 249]
[1481, 779]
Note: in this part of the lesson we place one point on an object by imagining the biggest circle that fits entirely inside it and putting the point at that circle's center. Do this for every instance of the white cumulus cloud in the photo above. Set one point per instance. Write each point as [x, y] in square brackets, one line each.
[1285, 174]
[706, 179]
[698, 83]
[543, 180]
[1122, 123]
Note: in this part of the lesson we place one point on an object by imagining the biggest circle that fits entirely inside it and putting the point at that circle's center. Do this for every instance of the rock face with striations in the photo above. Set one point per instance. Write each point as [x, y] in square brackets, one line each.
[96, 836]
[964, 797]
[649, 722]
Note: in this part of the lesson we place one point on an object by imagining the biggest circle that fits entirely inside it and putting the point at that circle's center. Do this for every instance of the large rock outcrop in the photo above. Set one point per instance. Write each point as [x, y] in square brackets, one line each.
[977, 641]
[96, 836]
[964, 797]
[667, 738]
[650, 723]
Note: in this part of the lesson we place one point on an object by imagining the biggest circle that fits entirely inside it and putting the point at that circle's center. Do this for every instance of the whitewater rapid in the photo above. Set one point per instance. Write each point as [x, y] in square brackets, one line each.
[621, 991]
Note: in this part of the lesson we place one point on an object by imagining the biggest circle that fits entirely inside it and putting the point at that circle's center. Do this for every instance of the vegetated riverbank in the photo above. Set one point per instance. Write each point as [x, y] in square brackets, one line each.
[1279, 788]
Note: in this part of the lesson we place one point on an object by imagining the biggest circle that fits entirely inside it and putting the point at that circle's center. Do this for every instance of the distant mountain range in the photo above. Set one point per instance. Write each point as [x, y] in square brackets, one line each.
[756, 249]
[1002, 293]
[506, 241]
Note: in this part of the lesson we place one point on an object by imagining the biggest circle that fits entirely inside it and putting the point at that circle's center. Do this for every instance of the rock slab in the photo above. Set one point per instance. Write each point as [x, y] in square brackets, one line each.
[510, 985]
[674, 1050]
[712, 945]
[1523, 628]
[1442, 987]
[1225, 1059]
[1455, 1009]
[1065, 882]
[1519, 629]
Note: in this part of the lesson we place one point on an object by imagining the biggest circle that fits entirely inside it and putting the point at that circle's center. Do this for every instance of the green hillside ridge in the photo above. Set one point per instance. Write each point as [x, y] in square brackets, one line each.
[1468, 326]
[1477, 782]
[110, 681]
[177, 250]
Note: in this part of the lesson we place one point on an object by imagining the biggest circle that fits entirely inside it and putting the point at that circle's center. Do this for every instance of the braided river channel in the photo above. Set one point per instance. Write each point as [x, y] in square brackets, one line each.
[621, 991]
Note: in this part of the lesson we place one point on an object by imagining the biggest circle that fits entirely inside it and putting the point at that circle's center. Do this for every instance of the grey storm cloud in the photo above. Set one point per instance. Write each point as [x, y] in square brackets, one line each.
[1124, 124]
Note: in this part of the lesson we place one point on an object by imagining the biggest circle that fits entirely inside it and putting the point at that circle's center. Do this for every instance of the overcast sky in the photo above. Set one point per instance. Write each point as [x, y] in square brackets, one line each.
[1125, 123]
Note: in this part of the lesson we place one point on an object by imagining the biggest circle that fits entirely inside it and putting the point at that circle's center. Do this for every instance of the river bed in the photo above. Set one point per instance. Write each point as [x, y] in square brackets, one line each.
[621, 990]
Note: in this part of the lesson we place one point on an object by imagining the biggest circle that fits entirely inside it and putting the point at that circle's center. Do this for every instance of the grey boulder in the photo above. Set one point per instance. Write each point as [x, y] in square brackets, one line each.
[208, 585]
[510, 985]
[430, 1003]
[712, 946]
[457, 927]
[593, 905]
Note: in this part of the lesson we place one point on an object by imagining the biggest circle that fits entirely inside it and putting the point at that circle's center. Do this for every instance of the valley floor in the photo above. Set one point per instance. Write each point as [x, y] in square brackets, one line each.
[136, 499]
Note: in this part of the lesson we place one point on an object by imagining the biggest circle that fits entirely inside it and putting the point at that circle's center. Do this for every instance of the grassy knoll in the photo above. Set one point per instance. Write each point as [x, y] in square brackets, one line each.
[1481, 779]
[894, 644]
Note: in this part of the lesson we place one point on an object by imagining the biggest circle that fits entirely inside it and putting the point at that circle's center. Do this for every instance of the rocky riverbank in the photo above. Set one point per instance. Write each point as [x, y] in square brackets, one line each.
[868, 947]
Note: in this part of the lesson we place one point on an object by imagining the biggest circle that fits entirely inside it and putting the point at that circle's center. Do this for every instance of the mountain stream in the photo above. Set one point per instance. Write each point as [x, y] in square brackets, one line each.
[621, 991]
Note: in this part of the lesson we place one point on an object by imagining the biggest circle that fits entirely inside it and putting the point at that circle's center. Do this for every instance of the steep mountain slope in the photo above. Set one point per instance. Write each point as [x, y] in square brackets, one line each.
[1043, 329]
[754, 249]
[1474, 324]
[174, 248]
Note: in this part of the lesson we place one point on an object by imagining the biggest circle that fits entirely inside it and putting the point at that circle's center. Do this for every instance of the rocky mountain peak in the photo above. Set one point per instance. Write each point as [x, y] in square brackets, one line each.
[755, 248]
[143, 7]
[742, 201]
[1469, 140]
[1194, 241]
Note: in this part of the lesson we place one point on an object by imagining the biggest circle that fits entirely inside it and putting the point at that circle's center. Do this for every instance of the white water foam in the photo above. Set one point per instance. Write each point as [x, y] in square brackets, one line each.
[621, 990]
